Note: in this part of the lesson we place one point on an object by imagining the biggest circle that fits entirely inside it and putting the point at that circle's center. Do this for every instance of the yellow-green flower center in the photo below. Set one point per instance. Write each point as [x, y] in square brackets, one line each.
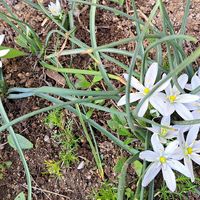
[146, 90]
[188, 151]
[172, 98]
[163, 159]
[163, 132]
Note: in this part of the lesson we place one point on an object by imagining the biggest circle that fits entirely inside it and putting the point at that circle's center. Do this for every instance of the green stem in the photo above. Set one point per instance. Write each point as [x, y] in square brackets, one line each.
[13, 135]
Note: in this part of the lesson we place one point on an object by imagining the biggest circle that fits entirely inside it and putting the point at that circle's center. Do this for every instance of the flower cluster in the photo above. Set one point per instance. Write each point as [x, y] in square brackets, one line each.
[175, 147]
[4, 51]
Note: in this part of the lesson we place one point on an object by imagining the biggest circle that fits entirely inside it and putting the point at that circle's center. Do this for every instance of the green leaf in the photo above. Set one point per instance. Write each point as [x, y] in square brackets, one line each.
[129, 194]
[137, 165]
[89, 113]
[82, 82]
[119, 164]
[21, 41]
[128, 141]
[124, 132]
[97, 79]
[23, 142]
[8, 164]
[13, 53]
[20, 196]
[112, 124]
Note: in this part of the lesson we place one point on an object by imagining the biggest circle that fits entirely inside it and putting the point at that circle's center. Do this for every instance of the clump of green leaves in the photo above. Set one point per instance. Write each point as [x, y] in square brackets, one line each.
[107, 191]
[3, 167]
[184, 188]
[119, 124]
[54, 119]
[67, 141]
[53, 168]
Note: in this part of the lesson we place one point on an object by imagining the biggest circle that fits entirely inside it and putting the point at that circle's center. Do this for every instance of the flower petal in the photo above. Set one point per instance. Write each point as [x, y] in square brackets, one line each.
[0, 64]
[169, 178]
[2, 39]
[154, 129]
[188, 87]
[187, 98]
[195, 82]
[188, 164]
[183, 111]
[182, 80]
[178, 154]
[148, 155]
[192, 134]
[151, 173]
[151, 75]
[134, 83]
[196, 114]
[143, 108]
[196, 146]
[171, 147]
[168, 90]
[157, 146]
[133, 97]
[4, 52]
[165, 85]
[158, 103]
[166, 121]
[178, 166]
[170, 108]
[57, 3]
[196, 158]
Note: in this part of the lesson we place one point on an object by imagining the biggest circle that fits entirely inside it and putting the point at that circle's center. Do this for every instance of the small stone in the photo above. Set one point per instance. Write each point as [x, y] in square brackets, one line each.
[47, 139]
[81, 165]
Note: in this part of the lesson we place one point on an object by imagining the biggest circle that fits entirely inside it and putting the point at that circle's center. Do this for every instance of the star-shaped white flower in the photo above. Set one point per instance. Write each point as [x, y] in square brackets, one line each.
[164, 133]
[149, 84]
[190, 148]
[175, 101]
[165, 160]
[55, 8]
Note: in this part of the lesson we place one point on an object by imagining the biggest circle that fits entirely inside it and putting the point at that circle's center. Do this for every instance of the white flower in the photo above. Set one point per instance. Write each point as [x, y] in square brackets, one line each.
[149, 82]
[190, 149]
[175, 101]
[164, 133]
[55, 8]
[4, 51]
[165, 160]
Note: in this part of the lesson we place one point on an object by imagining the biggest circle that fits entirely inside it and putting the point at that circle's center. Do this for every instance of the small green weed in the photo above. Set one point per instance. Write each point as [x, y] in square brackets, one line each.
[106, 192]
[54, 119]
[3, 167]
[109, 192]
[67, 141]
[53, 168]
[184, 186]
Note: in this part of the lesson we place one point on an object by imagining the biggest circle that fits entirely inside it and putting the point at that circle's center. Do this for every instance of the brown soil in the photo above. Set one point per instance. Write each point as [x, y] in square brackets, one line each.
[25, 72]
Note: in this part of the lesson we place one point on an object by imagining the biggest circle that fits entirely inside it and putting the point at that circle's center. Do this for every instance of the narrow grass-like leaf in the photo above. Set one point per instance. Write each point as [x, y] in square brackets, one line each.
[122, 177]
